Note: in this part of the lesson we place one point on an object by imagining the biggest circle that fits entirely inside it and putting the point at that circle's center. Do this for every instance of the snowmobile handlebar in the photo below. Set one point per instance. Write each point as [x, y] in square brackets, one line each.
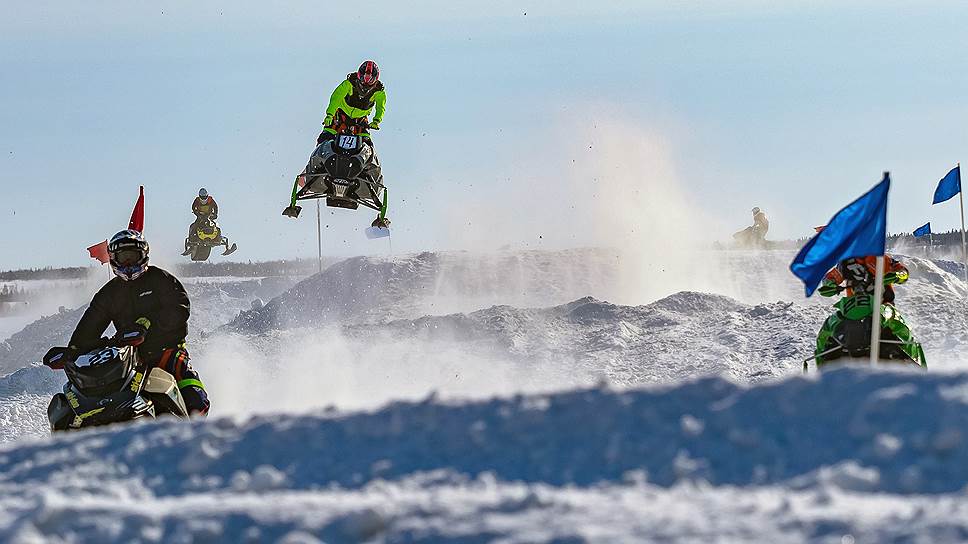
[57, 357]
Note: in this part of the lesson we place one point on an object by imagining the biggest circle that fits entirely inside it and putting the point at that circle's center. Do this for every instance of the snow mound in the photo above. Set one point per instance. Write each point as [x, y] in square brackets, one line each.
[499, 350]
[31, 343]
[376, 289]
[853, 452]
[24, 396]
[933, 301]
[684, 335]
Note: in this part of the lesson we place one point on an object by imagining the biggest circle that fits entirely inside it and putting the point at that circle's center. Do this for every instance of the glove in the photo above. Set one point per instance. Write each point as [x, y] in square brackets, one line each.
[134, 335]
[56, 358]
[829, 289]
[328, 121]
[375, 124]
[895, 277]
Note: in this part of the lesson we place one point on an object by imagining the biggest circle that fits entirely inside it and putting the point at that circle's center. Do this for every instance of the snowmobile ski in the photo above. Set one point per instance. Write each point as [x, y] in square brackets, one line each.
[374, 233]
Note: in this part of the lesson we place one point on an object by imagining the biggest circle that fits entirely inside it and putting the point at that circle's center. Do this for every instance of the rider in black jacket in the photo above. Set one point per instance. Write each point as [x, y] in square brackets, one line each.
[149, 306]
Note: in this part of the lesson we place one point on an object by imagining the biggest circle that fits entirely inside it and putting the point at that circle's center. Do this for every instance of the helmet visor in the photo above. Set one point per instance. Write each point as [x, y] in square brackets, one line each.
[129, 257]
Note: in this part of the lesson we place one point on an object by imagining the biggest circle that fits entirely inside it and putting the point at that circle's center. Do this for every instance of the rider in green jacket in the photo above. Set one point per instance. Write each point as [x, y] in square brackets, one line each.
[353, 101]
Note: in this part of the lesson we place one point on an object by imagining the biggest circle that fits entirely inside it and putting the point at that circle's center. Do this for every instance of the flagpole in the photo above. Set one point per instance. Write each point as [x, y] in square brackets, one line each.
[964, 247]
[319, 241]
[876, 307]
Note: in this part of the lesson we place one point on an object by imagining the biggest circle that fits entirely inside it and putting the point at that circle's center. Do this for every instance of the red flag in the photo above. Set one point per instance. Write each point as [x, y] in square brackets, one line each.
[100, 252]
[137, 221]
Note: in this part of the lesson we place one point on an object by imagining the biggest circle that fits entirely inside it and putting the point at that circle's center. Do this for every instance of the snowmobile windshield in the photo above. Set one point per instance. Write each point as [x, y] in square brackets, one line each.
[129, 257]
[100, 372]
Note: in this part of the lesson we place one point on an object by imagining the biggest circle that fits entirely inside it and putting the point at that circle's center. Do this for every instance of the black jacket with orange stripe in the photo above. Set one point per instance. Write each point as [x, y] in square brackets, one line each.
[156, 296]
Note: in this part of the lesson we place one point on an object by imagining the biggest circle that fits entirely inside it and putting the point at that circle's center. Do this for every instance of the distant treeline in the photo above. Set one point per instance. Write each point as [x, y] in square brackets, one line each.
[46, 273]
[287, 267]
[939, 239]
[950, 238]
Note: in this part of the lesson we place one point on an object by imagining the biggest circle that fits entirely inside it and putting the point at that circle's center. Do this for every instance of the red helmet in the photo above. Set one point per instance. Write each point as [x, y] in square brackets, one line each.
[369, 73]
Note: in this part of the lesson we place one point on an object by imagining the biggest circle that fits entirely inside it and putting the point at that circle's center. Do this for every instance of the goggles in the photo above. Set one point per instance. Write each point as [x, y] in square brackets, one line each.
[128, 257]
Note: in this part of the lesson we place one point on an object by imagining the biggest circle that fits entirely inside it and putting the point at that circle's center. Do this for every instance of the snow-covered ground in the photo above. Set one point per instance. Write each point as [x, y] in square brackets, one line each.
[854, 456]
[465, 405]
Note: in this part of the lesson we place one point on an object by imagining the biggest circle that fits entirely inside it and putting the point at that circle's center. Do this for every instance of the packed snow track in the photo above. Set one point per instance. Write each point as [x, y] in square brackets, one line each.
[849, 455]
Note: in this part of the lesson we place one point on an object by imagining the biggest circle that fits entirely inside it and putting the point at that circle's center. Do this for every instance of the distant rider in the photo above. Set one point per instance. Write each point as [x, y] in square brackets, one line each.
[150, 308]
[203, 207]
[761, 225]
[859, 273]
[754, 236]
[353, 101]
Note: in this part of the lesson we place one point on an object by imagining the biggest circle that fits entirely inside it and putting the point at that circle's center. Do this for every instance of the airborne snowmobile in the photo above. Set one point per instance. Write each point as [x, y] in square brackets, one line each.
[109, 384]
[345, 171]
[205, 235]
[846, 334]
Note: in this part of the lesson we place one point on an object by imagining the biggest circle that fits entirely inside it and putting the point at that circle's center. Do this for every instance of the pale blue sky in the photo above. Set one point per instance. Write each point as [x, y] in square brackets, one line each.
[796, 108]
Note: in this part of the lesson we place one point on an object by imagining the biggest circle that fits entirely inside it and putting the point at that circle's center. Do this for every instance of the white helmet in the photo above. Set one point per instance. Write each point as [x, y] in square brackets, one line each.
[128, 251]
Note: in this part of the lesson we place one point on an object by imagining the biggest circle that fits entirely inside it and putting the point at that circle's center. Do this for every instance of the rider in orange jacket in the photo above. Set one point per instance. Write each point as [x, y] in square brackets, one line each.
[859, 272]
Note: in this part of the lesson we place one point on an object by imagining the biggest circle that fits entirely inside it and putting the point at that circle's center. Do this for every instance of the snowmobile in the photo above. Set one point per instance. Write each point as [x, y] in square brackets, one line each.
[206, 235]
[345, 171]
[846, 334]
[109, 384]
[750, 238]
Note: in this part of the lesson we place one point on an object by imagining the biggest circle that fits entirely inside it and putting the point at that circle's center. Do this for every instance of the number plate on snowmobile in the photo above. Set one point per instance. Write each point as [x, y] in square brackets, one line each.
[858, 306]
[96, 358]
[347, 142]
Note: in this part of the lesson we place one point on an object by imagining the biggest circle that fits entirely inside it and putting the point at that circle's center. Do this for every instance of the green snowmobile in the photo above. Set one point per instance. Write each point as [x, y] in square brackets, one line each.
[847, 334]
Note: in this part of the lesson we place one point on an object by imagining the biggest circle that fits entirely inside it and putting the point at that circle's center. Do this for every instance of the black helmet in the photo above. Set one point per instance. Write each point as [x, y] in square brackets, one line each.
[756, 210]
[128, 250]
[368, 73]
[202, 193]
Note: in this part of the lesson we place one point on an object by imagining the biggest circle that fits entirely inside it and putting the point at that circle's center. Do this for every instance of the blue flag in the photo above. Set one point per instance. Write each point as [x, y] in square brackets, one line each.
[923, 230]
[949, 186]
[858, 230]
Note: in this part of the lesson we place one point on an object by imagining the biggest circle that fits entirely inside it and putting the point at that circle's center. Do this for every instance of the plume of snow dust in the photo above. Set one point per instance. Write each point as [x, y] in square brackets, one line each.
[635, 202]
[47, 296]
[306, 369]
[605, 184]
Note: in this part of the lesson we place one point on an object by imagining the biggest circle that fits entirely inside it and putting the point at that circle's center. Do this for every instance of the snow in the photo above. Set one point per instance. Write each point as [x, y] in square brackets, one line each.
[844, 454]
[10, 324]
[213, 304]
[512, 396]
